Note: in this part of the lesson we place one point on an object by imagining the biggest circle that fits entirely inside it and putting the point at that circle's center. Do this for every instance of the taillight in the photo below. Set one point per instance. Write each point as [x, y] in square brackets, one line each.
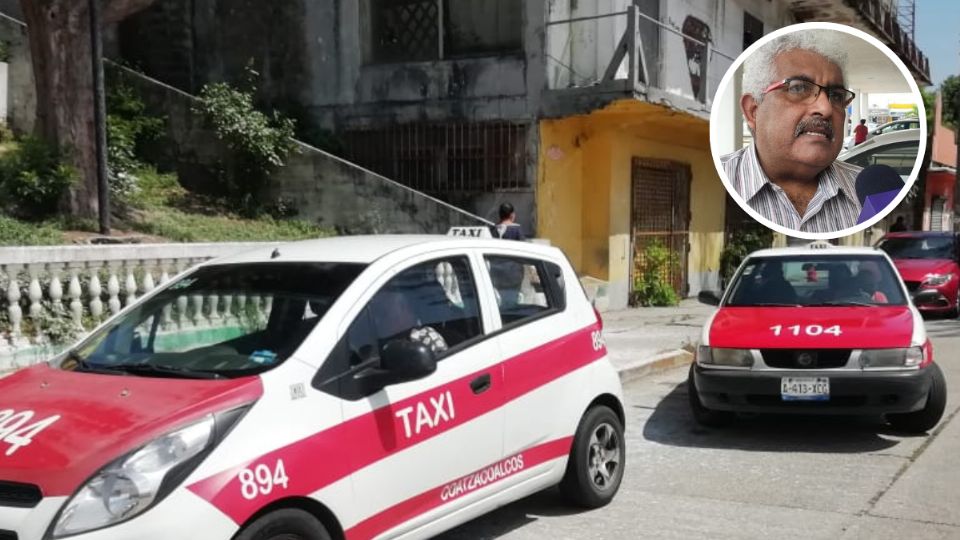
[599, 318]
[927, 354]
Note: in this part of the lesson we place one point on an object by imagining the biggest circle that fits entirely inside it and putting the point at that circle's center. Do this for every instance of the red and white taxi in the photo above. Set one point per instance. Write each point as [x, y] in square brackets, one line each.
[816, 329]
[356, 387]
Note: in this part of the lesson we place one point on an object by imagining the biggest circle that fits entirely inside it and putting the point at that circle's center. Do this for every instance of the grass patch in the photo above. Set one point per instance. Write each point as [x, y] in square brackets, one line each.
[14, 232]
[164, 208]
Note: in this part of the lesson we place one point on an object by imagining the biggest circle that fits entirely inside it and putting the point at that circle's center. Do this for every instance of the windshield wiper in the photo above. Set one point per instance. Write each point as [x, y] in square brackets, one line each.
[844, 303]
[87, 367]
[166, 371]
[769, 304]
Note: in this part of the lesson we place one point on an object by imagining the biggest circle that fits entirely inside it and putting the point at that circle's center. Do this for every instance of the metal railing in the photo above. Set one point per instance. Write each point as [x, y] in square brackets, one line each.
[625, 65]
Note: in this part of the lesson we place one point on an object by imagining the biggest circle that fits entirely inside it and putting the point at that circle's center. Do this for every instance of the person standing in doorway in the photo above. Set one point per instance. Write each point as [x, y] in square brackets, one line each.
[899, 225]
[507, 228]
[860, 132]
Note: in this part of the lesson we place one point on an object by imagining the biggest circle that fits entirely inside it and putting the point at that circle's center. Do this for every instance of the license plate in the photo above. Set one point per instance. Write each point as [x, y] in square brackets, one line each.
[805, 388]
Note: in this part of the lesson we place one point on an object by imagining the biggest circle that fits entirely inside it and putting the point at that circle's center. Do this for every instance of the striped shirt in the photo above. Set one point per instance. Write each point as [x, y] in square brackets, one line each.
[834, 207]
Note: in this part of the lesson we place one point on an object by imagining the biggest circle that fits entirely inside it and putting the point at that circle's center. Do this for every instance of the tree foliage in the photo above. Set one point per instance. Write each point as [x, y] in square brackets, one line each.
[950, 90]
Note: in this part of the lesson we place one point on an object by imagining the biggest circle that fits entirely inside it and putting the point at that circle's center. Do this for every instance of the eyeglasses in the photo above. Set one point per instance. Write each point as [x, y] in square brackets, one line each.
[804, 91]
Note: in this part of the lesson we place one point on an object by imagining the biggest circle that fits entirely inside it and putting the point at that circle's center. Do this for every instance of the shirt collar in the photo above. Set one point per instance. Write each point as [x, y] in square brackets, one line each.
[831, 180]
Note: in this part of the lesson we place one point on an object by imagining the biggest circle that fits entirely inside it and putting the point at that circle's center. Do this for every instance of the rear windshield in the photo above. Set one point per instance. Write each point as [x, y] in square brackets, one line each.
[219, 321]
[816, 280]
[929, 247]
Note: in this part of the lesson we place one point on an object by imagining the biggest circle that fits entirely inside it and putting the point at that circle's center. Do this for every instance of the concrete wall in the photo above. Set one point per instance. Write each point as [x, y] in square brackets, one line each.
[324, 189]
[20, 88]
[944, 139]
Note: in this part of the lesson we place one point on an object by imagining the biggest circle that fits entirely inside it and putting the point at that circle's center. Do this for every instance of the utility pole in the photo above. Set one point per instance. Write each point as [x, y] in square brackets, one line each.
[99, 118]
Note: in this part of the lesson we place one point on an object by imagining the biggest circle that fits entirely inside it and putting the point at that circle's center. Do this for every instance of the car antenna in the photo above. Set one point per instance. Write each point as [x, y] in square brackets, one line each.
[275, 254]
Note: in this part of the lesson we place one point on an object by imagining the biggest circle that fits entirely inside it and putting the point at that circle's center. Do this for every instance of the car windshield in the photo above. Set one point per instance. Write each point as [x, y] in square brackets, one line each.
[921, 247]
[817, 280]
[218, 321]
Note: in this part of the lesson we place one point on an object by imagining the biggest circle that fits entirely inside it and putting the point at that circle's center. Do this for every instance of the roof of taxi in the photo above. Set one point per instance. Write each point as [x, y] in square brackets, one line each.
[368, 248]
[817, 251]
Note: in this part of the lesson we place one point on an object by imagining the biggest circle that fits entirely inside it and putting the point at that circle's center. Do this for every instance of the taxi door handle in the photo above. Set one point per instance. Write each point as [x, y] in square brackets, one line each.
[481, 384]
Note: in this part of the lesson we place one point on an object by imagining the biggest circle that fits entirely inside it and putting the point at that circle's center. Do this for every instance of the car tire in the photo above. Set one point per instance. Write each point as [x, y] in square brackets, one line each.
[929, 416]
[285, 524]
[955, 311]
[704, 416]
[597, 458]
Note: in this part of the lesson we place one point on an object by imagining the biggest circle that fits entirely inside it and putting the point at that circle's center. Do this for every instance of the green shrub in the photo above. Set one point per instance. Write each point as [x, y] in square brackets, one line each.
[34, 177]
[18, 233]
[651, 287]
[260, 143]
[128, 127]
[740, 244]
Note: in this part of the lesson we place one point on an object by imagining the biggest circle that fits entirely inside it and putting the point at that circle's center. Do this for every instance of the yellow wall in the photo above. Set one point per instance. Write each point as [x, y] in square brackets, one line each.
[559, 181]
[584, 185]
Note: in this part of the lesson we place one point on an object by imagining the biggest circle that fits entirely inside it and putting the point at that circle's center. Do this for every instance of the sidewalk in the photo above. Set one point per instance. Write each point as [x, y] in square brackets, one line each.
[641, 341]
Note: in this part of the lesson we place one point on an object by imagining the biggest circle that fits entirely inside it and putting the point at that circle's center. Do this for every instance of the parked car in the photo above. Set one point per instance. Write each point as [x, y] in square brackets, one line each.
[819, 330]
[889, 127]
[927, 263]
[352, 387]
[898, 149]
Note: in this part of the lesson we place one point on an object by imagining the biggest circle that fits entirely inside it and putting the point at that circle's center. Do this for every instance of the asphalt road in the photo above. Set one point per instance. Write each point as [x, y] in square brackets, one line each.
[765, 477]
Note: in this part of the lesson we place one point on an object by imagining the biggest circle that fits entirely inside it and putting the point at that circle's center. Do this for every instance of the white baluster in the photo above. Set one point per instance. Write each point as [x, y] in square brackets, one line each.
[227, 309]
[35, 293]
[148, 283]
[167, 319]
[197, 309]
[113, 289]
[164, 276]
[182, 302]
[253, 309]
[95, 290]
[242, 308]
[55, 290]
[74, 292]
[13, 299]
[130, 284]
[214, 300]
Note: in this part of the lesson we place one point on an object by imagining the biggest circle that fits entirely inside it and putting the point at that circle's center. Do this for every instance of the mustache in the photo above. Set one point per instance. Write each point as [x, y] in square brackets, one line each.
[814, 124]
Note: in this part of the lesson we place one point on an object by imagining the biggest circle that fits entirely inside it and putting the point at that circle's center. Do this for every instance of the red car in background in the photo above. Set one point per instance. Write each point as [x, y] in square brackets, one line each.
[927, 262]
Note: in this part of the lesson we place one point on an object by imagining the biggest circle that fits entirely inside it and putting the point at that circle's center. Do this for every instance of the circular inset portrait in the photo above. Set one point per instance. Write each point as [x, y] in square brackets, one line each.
[818, 130]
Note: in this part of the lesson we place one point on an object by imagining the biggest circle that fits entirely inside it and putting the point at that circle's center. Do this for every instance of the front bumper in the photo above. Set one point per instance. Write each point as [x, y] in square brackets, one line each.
[181, 515]
[851, 391]
[932, 300]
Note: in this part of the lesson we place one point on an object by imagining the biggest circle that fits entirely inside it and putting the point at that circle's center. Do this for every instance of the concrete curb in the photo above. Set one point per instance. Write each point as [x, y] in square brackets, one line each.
[655, 364]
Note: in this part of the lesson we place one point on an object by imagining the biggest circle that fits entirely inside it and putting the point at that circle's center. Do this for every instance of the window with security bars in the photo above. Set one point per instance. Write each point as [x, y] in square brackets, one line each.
[445, 159]
[422, 30]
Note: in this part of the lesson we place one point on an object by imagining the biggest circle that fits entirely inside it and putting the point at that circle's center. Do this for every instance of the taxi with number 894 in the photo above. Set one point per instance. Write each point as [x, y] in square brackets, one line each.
[816, 329]
[387, 386]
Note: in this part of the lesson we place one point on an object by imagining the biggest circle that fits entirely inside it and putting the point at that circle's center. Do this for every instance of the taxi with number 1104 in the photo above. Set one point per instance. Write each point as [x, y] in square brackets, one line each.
[816, 329]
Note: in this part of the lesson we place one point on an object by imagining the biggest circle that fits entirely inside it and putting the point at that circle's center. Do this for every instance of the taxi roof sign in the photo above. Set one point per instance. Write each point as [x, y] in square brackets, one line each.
[475, 232]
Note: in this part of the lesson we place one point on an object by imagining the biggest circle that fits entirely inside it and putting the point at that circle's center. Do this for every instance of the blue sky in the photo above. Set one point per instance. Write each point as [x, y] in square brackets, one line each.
[938, 36]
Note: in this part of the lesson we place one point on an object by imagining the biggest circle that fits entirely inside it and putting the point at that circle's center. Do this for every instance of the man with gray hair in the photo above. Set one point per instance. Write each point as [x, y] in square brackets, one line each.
[794, 101]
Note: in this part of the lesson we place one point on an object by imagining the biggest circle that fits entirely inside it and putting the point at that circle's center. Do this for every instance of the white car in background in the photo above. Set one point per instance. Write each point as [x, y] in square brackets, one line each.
[898, 149]
[889, 127]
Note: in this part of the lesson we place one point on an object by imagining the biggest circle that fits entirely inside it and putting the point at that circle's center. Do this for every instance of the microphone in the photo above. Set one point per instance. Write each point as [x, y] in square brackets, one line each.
[877, 187]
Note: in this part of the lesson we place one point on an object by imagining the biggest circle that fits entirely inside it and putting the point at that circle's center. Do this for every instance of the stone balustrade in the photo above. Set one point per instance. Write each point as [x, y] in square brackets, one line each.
[50, 296]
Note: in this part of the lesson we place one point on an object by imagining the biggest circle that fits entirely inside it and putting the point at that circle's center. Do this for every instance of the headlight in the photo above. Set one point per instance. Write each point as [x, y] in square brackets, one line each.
[724, 357]
[129, 485]
[891, 358]
[937, 279]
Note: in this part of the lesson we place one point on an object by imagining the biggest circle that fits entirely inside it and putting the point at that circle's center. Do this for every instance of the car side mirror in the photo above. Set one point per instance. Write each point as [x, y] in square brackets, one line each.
[711, 298]
[402, 360]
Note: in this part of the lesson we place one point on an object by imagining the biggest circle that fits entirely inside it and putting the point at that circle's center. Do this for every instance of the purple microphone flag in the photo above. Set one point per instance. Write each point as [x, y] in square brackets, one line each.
[876, 203]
